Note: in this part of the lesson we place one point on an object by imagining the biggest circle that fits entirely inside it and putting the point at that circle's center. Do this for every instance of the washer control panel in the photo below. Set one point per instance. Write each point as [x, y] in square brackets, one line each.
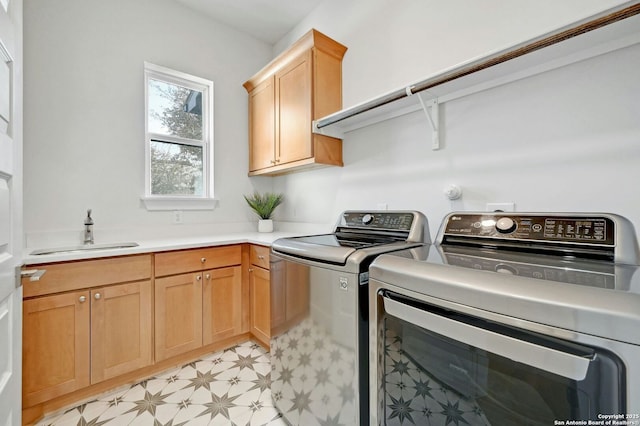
[553, 228]
[379, 220]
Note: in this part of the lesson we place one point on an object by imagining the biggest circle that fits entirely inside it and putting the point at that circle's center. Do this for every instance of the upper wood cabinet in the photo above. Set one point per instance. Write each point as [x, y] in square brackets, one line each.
[302, 84]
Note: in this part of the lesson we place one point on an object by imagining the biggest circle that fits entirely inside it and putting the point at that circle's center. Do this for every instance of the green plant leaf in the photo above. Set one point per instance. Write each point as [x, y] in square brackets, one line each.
[264, 204]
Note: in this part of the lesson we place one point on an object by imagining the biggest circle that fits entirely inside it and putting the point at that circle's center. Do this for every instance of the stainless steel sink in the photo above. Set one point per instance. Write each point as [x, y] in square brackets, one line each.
[83, 248]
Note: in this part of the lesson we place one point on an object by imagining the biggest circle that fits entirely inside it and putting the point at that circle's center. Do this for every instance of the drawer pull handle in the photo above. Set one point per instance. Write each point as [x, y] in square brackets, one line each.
[82, 299]
[33, 274]
[261, 257]
[97, 296]
[204, 259]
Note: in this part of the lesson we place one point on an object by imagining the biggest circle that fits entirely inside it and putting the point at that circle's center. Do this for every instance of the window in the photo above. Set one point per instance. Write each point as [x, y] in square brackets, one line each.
[179, 136]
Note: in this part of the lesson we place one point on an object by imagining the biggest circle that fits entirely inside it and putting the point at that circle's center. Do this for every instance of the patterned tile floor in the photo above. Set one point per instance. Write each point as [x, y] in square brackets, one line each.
[411, 396]
[230, 388]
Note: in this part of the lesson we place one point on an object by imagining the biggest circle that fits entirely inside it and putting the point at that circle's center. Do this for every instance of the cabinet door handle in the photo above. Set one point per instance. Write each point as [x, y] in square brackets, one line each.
[250, 269]
[33, 274]
[199, 277]
[204, 259]
[208, 276]
[97, 296]
[82, 299]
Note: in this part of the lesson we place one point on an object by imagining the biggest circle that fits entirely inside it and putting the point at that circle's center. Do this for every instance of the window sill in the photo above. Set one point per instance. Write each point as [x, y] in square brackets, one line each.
[178, 203]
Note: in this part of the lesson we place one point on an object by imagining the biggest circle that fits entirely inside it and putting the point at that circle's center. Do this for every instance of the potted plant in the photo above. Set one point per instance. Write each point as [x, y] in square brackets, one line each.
[264, 205]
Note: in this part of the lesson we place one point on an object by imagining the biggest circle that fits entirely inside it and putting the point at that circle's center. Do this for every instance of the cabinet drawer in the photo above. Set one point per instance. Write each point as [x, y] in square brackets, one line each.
[260, 256]
[182, 261]
[70, 276]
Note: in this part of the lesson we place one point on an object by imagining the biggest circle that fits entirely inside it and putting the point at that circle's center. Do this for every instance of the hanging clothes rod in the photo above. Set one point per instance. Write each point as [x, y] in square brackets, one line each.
[481, 64]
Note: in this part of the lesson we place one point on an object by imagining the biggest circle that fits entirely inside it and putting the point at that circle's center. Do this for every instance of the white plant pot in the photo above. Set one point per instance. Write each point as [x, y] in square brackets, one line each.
[265, 225]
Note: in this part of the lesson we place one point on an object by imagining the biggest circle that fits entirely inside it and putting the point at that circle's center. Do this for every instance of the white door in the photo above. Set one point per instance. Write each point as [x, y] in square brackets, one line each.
[10, 211]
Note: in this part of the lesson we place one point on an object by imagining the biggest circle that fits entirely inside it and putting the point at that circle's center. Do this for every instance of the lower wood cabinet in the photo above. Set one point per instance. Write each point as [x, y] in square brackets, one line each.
[105, 321]
[178, 313]
[259, 294]
[197, 309]
[73, 340]
[279, 294]
[260, 304]
[221, 304]
[121, 324]
[56, 341]
[198, 298]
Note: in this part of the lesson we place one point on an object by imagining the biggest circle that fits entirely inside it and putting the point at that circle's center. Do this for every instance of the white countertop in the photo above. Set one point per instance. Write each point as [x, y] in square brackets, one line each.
[157, 245]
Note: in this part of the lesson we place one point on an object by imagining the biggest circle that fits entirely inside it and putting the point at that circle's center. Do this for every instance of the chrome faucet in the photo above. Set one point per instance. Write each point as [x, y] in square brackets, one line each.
[88, 228]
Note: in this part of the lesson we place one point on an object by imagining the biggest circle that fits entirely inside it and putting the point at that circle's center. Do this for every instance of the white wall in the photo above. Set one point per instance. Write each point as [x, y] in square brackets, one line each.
[84, 110]
[392, 43]
[565, 140]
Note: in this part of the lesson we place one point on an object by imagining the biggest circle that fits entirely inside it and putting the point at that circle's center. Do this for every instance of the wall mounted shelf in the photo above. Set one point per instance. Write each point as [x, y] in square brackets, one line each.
[591, 37]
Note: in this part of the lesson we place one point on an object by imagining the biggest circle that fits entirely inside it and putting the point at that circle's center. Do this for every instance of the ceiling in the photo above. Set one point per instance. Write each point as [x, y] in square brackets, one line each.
[267, 20]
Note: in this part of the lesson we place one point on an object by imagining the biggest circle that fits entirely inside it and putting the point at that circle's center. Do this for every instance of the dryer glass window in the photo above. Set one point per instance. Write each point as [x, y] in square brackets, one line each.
[429, 378]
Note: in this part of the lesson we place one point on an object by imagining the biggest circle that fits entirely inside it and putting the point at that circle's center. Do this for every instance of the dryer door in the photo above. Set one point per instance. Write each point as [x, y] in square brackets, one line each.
[440, 366]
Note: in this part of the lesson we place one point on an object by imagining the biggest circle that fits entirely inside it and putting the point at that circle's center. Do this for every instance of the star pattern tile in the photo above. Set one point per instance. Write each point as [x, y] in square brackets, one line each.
[231, 387]
[313, 377]
[202, 380]
[410, 396]
[148, 404]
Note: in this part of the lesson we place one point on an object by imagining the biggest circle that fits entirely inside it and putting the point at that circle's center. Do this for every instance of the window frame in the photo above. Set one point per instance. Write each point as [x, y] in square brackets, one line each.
[205, 201]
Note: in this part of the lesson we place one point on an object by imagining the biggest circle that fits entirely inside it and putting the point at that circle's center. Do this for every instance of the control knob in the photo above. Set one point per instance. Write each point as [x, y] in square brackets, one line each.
[367, 219]
[506, 269]
[505, 225]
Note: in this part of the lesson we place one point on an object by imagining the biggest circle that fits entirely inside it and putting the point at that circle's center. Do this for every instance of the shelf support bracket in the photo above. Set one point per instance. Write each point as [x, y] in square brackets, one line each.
[431, 110]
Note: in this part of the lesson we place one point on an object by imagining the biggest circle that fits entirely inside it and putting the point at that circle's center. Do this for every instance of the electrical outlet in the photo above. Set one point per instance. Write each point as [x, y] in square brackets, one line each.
[503, 207]
[177, 216]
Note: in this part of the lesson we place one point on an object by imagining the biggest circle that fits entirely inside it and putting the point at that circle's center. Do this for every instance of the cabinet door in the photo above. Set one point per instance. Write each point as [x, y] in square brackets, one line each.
[178, 314]
[222, 304]
[260, 304]
[262, 134]
[55, 346]
[120, 329]
[293, 111]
